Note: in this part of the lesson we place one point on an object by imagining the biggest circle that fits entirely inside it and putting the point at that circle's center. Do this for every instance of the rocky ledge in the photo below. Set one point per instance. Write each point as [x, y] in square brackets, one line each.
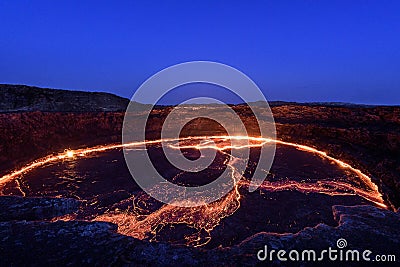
[39, 242]
[19, 208]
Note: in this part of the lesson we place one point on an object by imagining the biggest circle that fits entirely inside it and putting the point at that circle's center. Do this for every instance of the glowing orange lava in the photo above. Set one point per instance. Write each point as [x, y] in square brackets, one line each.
[70, 154]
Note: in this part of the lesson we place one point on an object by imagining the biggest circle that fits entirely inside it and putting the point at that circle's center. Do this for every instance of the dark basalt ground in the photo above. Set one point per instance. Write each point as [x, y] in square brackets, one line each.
[17, 208]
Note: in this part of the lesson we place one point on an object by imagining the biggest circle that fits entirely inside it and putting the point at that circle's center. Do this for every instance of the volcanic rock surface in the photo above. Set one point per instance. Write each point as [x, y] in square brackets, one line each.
[19, 208]
[36, 122]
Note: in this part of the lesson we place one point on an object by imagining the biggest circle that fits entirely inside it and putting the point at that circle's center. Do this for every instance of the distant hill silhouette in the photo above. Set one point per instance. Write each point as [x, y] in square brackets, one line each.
[29, 98]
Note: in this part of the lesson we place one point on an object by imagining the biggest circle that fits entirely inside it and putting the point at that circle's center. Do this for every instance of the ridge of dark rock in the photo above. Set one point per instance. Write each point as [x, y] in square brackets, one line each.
[16, 98]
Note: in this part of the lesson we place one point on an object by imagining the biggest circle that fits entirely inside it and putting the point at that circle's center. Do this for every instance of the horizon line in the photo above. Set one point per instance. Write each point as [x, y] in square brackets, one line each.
[316, 102]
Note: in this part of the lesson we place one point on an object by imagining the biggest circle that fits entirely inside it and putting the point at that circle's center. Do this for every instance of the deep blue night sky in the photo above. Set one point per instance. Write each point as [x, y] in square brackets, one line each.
[294, 50]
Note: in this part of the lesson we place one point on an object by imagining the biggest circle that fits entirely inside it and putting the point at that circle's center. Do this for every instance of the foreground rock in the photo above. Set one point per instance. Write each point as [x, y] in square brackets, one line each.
[363, 228]
[82, 243]
[19, 208]
[97, 243]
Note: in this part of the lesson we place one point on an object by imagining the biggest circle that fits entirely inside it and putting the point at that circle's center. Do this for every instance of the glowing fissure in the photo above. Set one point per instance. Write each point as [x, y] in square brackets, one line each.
[202, 218]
